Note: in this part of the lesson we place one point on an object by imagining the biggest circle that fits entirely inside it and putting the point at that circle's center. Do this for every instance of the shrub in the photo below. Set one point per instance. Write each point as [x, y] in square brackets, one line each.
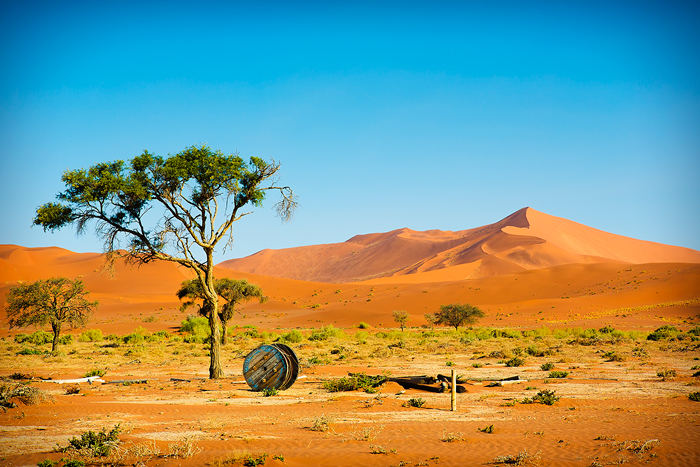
[24, 393]
[325, 333]
[269, 392]
[161, 335]
[361, 337]
[546, 397]
[91, 335]
[362, 381]
[322, 423]
[28, 351]
[95, 372]
[292, 337]
[613, 356]
[666, 374]
[547, 366]
[488, 429]
[695, 331]
[98, 444]
[515, 361]
[47, 463]
[664, 332]
[694, 396]
[558, 374]
[415, 402]
[363, 325]
[36, 338]
[197, 326]
[65, 340]
[606, 330]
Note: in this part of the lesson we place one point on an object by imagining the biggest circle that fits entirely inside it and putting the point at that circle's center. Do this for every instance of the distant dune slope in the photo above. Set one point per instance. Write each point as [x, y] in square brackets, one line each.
[525, 240]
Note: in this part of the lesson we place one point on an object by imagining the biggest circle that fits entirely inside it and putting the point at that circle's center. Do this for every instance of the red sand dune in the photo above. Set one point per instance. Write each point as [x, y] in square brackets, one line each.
[525, 240]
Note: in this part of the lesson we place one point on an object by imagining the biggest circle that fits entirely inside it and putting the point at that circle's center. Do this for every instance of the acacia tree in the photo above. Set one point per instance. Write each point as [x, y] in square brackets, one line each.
[52, 301]
[457, 314]
[178, 208]
[231, 290]
[400, 317]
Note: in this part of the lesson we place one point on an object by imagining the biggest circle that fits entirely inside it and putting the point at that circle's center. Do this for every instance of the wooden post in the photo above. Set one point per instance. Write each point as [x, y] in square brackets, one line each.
[453, 398]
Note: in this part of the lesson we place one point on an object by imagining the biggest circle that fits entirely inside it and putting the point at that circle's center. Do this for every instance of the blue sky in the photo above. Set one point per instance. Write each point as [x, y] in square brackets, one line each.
[440, 115]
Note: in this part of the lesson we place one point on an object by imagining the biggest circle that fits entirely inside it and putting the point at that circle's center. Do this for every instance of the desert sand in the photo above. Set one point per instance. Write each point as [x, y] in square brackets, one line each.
[528, 272]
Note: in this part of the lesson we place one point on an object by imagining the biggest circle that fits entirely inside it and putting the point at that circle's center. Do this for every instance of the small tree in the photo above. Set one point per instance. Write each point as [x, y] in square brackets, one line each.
[232, 290]
[52, 301]
[178, 209]
[457, 314]
[431, 319]
[400, 317]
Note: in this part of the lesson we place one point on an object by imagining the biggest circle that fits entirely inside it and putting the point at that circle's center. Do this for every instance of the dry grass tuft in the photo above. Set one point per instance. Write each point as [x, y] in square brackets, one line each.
[522, 458]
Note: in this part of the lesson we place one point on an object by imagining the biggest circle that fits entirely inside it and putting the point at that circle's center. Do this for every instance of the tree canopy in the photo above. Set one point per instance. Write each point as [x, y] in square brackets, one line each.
[52, 301]
[400, 317]
[232, 291]
[177, 208]
[457, 314]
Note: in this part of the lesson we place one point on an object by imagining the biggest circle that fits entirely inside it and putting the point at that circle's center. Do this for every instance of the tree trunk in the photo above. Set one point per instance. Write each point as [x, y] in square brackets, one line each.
[56, 327]
[224, 332]
[215, 370]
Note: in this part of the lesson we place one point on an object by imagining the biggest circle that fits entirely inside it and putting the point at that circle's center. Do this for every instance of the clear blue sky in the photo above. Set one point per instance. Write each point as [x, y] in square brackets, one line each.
[433, 115]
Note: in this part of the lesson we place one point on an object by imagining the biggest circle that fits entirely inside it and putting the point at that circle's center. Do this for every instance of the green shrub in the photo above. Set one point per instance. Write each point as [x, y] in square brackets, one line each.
[36, 338]
[251, 461]
[196, 326]
[415, 402]
[606, 330]
[95, 372]
[318, 360]
[325, 333]
[477, 365]
[664, 332]
[695, 331]
[613, 356]
[357, 381]
[363, 325]
[488, 429]
[269, 392]
[515, 361]
[28, 351]
[163, 334]
[666, 374]
[547, 366]
[292, 337]
[74, 463]
[558, 374]
[694, 396]
[91, 335]
[65, 340]
[47, 463]
[134, 338]
[546, 397]
[361, 337]
[98, 444]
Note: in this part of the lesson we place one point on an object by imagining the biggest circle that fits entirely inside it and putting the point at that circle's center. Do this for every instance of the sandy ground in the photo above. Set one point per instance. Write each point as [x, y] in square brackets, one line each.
[605, 406]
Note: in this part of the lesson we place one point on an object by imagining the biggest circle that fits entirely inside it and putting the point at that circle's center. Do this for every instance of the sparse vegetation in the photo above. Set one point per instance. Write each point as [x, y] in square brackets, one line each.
[488, 429]
[415, 402]
[522, 458]
[558, 374]
[401, 317]
[358, 381]
[694, 396]
[547, 366]
[666, 374]
[451, 437]
[515, 361]
[458, 314]
[94, 444]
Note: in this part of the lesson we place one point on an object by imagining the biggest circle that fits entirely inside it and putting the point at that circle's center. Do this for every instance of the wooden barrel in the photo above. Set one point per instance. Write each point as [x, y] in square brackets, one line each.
[271, 366]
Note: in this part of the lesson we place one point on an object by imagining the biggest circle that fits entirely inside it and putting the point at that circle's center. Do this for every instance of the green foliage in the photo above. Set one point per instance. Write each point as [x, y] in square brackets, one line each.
[666, 374]
[325, 333]
[488, 429]
[196, 326]
[558, 374]
[457, 314]
[694, 331]
[547, 366]
[415, 402]
[361, 337]
[47, 463]
[97, 444]
[546, 397]
[694, 396]
[95, 372]
[357, 381]
[606, 330]
[36, 338]
[28, 351]
[74, 463]
[664, 332]
[318, 360]
[292, 337]
[363, 325]
[252, 461]
[515, 361]
[54, 301]
[269, 392]
[91, 335]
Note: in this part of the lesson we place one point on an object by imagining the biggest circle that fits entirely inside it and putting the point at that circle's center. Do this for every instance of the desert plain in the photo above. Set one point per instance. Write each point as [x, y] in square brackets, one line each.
[573, 311]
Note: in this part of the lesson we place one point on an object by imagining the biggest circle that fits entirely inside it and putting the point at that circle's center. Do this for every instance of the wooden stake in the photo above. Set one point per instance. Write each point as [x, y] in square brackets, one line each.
[453, 397]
